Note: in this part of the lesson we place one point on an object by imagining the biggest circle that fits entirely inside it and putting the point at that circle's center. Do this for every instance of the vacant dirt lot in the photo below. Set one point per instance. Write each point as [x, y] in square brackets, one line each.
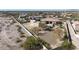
[10, 37]
[53, 37]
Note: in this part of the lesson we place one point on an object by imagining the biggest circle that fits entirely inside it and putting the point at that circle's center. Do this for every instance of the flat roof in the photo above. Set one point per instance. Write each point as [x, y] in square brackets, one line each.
[50, 19]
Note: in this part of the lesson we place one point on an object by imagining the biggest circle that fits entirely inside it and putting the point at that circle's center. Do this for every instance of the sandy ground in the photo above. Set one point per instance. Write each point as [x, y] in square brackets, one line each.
[9, 35]
[31, 25]
[49, 37]
[52, 38]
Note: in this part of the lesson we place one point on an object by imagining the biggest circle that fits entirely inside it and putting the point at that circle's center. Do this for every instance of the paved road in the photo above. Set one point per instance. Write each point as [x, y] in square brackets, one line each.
[75, 39]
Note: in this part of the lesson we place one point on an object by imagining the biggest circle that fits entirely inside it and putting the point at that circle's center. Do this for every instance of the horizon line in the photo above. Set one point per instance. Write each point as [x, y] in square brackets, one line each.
[39, 9]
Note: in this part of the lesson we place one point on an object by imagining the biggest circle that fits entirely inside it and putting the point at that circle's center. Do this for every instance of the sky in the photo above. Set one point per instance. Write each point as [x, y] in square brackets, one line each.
[39, 4]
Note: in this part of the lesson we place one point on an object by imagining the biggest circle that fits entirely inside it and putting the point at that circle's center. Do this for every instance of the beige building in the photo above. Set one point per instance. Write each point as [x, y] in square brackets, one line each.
[50, 21]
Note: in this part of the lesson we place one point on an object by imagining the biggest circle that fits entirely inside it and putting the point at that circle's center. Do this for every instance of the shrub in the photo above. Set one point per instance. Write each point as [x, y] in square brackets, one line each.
[22, 35]
[32, 44]
[48, 28]
[65, 46]
[35, 44]
[18, 40]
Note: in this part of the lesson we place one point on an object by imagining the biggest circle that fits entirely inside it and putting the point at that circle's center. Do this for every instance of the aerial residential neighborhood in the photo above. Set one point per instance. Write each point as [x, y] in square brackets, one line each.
[39, 30]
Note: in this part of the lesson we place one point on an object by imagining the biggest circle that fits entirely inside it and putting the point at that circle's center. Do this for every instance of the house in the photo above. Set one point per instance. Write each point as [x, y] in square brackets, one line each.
[36, 18]
[50, 21]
